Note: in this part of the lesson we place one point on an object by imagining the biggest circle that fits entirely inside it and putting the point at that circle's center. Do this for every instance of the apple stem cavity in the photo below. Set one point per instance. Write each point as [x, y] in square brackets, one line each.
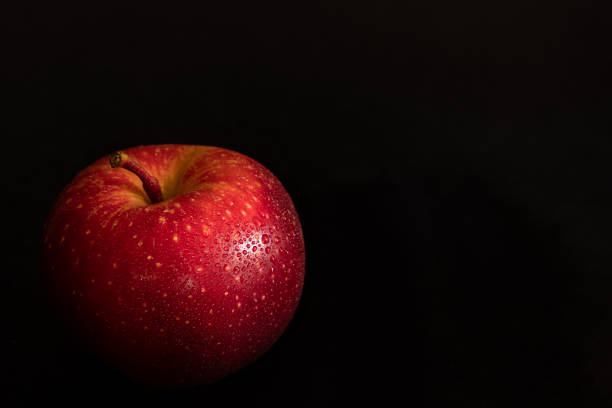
[150, 183]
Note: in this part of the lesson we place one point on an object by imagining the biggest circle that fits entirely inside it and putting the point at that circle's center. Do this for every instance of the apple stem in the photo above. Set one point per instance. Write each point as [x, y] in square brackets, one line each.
[150, 183]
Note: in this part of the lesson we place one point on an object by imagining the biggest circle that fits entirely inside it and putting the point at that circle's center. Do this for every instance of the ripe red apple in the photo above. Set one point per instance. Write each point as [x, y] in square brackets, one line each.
[179, 264]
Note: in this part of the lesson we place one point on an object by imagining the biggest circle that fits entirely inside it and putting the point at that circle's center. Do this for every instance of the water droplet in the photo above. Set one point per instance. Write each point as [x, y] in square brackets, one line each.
[273, 258]
[227, 238]
[254, 248]
[236, 269]
[248, 245]
[267, 250]
[244, 252]
[276, 239]
[265, 238]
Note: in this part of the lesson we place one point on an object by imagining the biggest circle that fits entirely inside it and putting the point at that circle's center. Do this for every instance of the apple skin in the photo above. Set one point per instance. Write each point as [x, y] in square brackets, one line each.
[184, 291]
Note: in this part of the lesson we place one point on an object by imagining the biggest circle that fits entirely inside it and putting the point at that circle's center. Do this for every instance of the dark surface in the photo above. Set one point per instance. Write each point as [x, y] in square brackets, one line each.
[450, 162]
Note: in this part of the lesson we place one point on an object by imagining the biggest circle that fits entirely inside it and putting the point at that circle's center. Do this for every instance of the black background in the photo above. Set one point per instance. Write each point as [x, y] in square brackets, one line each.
[450, 162]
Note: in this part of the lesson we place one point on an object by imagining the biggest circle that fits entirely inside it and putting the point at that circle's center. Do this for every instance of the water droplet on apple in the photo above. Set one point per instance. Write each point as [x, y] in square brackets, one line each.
[265, 238]
[277, 239]
[236, 269]
[254, 248]
[267, 250]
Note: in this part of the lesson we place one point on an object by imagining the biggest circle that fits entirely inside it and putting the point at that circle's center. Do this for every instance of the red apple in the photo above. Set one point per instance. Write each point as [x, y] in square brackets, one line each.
[179, 264]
